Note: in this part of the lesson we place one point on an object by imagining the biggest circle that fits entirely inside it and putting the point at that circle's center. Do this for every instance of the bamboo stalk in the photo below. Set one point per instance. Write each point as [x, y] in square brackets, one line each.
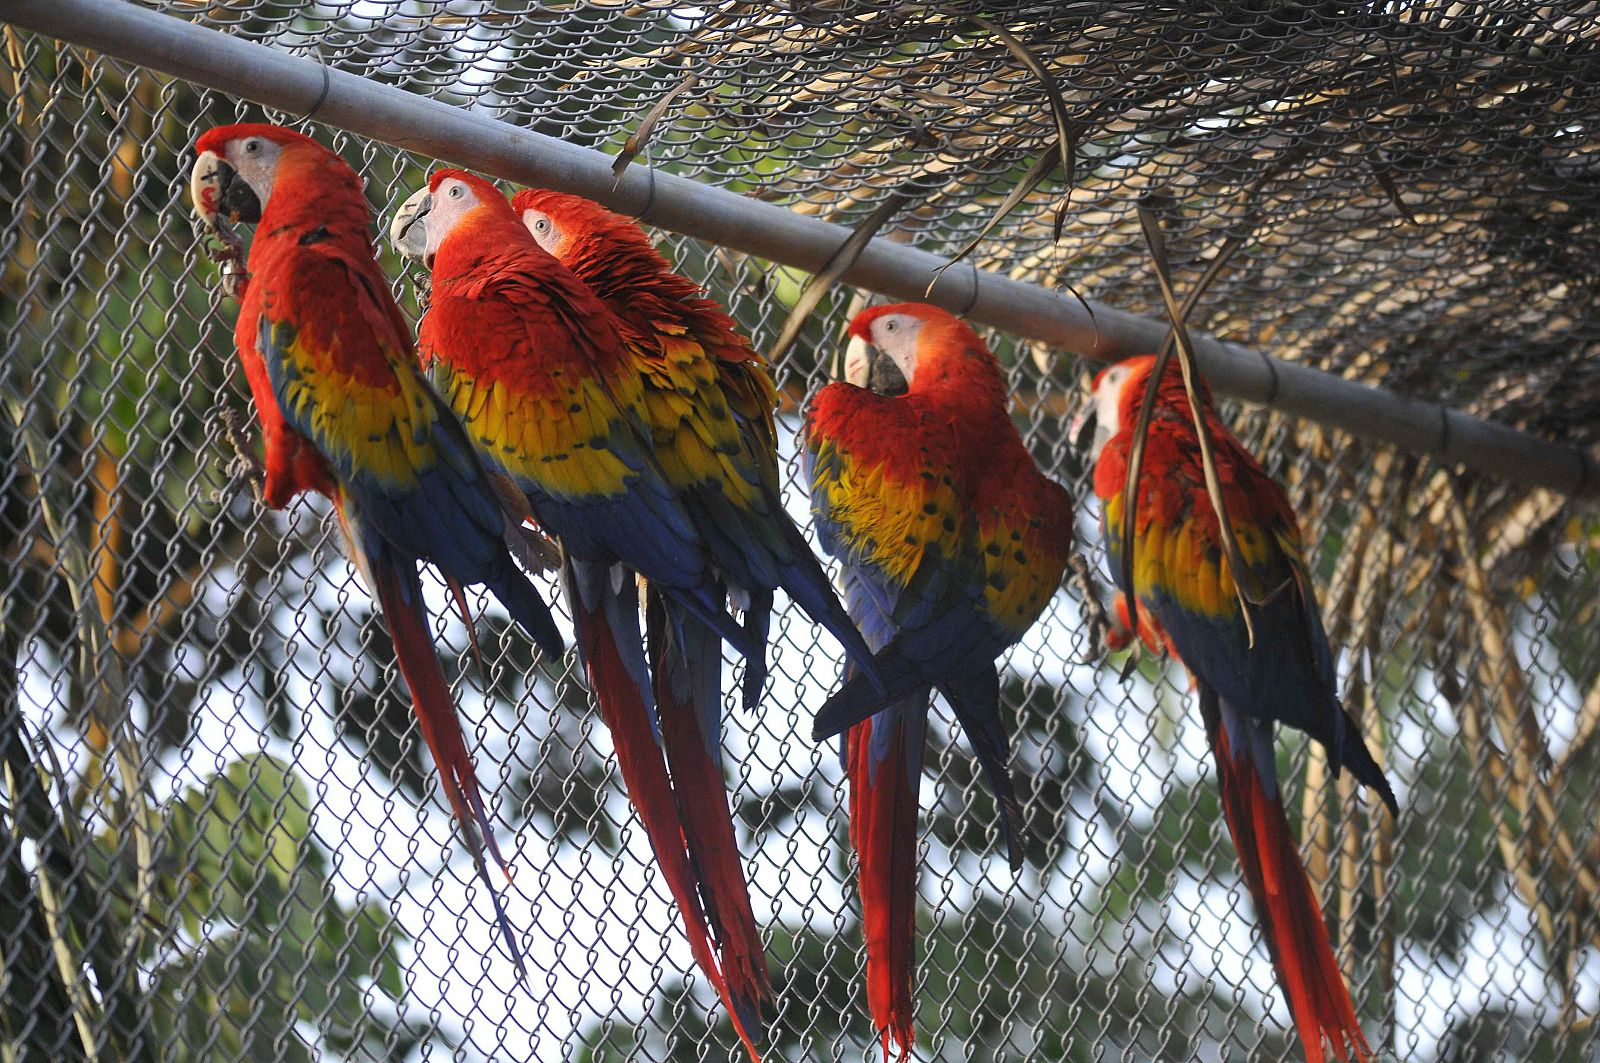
[68, 967]
[1495, 785]
[100, 671]
[1547, 852]
[1499, 672]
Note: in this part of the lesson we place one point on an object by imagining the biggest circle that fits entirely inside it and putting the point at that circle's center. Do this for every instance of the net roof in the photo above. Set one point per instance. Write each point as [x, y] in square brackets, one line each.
[1418, 182]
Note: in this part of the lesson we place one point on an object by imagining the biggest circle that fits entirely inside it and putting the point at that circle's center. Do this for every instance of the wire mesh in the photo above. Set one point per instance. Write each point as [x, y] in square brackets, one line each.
[224, 842]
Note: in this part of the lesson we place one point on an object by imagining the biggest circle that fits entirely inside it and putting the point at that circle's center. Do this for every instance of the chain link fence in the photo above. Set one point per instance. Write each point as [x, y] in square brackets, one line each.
[222, 838]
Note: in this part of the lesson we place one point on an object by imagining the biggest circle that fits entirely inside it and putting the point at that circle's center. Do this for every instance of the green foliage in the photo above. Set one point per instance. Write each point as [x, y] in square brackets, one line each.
[244, 949]
[263, 949]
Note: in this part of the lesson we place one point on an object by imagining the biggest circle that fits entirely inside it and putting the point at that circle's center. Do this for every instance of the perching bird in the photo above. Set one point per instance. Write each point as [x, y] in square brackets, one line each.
[566, 398]
[696, 365]
[1184, 588]
[345, 413]
[700, 415]
[952, 543]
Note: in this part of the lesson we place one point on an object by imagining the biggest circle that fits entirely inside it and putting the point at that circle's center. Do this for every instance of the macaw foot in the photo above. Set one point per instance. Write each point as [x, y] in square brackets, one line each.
[422, 285]
[1095, 618]
[244, 467]
[543, 549]
[1131, 665]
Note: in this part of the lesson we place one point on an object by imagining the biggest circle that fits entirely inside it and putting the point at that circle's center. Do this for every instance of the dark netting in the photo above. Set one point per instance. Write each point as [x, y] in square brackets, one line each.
[223, 838]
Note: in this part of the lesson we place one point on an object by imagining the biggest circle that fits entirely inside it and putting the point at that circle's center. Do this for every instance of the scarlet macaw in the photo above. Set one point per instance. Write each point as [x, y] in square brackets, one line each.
[345, 413]
[953, 543]
[696, 366]
[574, 405]
[1185, 591]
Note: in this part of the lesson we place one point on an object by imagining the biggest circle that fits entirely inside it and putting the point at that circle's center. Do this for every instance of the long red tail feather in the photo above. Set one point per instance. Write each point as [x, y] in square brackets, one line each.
[884, 792]
[644, 774]
[683, 676]
[400, 595]
[1291, 919]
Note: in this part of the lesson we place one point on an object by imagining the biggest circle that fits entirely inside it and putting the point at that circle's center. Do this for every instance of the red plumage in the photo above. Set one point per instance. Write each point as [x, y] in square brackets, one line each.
[514, 327]
[952, 543]
[345, 413]
[1286, 907]
[702, 361]
[695, 763]
[650, 789]
[884, 806]
[1279, 668]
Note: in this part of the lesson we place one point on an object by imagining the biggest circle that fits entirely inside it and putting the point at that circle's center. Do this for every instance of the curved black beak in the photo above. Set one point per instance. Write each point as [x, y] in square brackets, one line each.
[884, 376]
[236, 200]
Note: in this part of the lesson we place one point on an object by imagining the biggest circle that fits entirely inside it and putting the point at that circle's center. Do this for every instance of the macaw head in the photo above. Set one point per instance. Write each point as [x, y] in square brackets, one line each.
[563, 224]
[432, 213]
[915, 347]
[1113, 404]
[238, 167]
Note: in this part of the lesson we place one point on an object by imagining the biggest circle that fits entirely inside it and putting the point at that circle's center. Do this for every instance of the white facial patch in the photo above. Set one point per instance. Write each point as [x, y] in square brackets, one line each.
[256, 160]
[896, 336]
[451, 201]
[543, 228]
[1107, 406]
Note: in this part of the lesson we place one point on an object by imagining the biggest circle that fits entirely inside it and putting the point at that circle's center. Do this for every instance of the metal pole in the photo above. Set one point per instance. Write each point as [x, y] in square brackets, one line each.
[277, 79]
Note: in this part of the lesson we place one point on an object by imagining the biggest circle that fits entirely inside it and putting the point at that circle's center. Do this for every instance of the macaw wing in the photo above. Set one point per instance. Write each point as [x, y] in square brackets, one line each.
[1024, 535]
[534, 312]
[888, 503]
[745, 379]
[343, 375]
[1182, 574]
[557, 406]
[885, 500]
[1277, 667]
[701, 352]
[753, 396]
[689, 410]
[571, 443]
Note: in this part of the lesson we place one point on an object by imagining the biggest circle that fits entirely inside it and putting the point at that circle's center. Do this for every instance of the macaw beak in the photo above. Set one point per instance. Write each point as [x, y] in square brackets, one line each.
[884, 376]
[857, 362]
[1085, 423]
[407, 234]
[220, 198]
[866, 366]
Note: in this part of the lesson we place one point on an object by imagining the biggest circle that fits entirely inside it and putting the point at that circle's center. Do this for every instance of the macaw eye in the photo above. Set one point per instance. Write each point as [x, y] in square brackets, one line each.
[542, 225]
[252, 146]
[891, 325]
[455, 192]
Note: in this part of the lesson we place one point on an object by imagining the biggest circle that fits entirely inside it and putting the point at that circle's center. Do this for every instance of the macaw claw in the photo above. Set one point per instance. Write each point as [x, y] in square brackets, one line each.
[224, 246]
[1096, 620]
[243, 467]
[422, 287]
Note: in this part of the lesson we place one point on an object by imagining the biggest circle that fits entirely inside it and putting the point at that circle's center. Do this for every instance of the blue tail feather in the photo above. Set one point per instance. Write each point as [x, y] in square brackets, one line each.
[594, 590]
[809, 587]
[975, 699]
[758, 621]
